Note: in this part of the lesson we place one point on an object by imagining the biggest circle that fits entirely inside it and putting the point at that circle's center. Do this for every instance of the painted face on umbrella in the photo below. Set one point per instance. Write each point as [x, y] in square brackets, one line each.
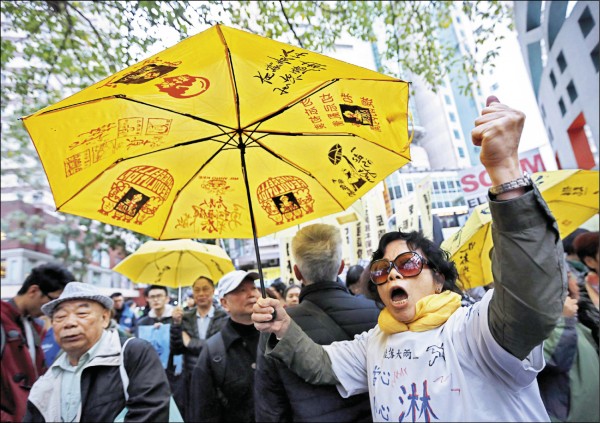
[400, 294]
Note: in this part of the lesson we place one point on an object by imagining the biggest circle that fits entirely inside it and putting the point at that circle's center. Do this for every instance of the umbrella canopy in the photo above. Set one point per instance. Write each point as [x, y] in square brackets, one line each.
[175, 263]
[571, 195]
[225, 135]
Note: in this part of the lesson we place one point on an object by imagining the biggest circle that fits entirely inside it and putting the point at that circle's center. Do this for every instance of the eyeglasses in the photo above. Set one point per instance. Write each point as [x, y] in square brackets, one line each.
[48, 296]
[156, 297]
[409, 264]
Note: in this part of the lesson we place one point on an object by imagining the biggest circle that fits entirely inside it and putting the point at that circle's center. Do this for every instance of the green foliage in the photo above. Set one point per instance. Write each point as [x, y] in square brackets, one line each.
[51, 49]
[77, 238]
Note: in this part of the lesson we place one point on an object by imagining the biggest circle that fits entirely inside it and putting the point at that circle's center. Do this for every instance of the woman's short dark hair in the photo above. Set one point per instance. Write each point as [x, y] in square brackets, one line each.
[279, 287]
[48, 277]
[439, 260]
[288, 288]
[586, 245]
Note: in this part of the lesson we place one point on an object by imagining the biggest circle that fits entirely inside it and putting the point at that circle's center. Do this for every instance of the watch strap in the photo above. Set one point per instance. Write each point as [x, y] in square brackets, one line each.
[523, 181]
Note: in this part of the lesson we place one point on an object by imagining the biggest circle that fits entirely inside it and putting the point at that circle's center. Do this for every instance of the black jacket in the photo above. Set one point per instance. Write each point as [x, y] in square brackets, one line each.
[102, 396]
[281, 396]
[231, 400]
[194, 348]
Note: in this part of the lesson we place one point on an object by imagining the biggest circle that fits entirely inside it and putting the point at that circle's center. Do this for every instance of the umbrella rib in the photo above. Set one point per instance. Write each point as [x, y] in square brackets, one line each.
[291, 103]
[312, 91]
[142, 155]
[58, 109]
[188, 182]
[236, 97]
[218, 125]
[295, 166]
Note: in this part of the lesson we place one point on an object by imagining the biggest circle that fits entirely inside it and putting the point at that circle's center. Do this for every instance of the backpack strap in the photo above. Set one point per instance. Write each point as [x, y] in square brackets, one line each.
[326, 321]
[218, 363]
[2, 339]
[123, 372]
[218, 357]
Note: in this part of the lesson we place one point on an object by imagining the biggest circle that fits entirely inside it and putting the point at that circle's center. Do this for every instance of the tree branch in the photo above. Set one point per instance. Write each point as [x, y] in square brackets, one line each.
[61, 48]
[100, 39]
[290, 24]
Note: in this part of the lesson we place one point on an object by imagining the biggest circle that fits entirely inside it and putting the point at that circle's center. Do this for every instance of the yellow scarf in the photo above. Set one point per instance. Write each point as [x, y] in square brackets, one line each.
[431, 311]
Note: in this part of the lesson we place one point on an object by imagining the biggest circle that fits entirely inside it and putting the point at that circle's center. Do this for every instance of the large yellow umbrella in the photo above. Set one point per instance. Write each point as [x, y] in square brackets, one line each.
[571, 195]
[175, 263]
[225, 135]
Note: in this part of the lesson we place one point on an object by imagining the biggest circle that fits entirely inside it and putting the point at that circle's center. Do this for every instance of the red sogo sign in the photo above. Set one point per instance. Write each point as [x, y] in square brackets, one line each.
[476, 181]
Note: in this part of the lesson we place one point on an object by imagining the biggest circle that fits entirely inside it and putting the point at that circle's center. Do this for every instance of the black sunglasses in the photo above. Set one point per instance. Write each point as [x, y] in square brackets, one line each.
[409, 264]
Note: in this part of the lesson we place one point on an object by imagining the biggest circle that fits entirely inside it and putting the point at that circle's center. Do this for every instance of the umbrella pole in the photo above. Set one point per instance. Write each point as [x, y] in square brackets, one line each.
[242, 148]
[179, 297]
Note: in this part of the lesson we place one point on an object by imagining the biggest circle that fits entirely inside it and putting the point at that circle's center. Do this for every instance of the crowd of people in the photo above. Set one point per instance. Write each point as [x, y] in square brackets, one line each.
[395, 341]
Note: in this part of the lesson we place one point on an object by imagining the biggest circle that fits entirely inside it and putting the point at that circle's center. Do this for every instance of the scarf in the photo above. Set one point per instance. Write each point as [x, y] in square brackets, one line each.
[431, 311]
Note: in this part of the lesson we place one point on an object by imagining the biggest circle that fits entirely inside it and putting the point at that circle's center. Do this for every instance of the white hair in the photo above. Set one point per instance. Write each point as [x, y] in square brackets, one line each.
[317, 250]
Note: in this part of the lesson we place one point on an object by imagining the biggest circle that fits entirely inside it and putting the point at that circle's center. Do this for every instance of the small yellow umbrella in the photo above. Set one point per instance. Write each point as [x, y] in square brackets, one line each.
[227, 134]
[469, 248]
[175, 263]
[571, 195]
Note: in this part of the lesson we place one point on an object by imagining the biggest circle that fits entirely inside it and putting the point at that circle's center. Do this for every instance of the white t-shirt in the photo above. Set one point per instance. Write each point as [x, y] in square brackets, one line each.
[456, 372]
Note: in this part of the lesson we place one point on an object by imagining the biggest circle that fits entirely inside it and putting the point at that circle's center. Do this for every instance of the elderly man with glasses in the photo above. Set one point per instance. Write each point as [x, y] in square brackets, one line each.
[428, 358]
[22, 354]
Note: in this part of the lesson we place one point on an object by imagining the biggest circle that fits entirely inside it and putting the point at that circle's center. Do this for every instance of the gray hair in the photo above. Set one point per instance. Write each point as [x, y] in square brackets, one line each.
[317, 250]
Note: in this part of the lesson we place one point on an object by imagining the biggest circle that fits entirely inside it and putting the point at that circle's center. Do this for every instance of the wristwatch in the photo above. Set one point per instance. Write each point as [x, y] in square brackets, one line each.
[523, 181]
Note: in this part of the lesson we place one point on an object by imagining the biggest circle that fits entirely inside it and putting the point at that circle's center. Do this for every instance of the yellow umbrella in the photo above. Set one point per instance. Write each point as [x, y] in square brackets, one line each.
[571, 195]
[175, 263]
[225, 135]
[470, 247]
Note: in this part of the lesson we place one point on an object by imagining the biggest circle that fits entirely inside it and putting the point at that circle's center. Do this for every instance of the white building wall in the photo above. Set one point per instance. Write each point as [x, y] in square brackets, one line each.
[580, 69]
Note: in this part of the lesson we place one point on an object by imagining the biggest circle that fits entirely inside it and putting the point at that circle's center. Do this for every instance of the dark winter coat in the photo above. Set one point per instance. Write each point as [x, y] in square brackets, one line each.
[194, 348]
[231, 399]
[281, 396]
[18, 371]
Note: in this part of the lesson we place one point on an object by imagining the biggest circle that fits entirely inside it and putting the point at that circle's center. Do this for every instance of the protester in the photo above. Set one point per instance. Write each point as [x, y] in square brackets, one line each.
[223, 379]
[160, 314]
[189, 301]
[353, 282]
[49, 344]
[191, 329]
[575, 265]
[277, 290]
[429, 358]
[587, 311]
[21, 351]
[569, 382]
[586, 246]
[124, 315]
[292, 295]
[85, 383]
[327, 312]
